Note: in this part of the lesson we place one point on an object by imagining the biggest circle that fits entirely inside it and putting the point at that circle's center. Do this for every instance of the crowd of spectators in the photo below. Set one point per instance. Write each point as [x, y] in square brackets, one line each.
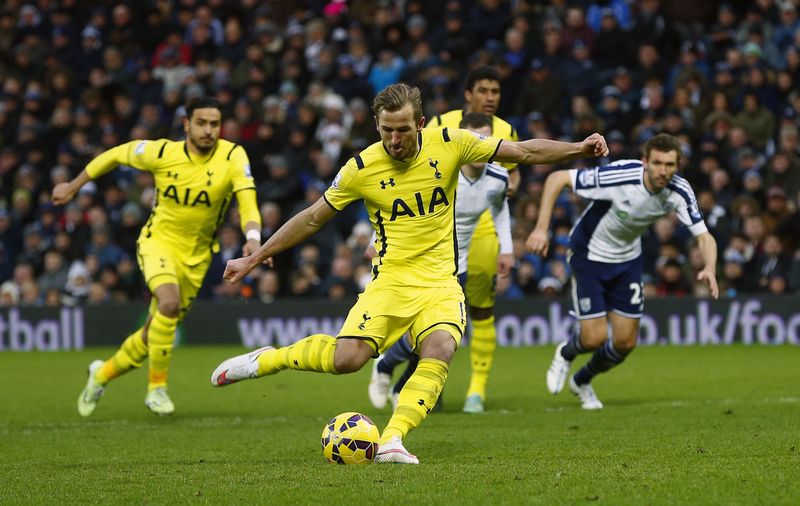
[296, 80]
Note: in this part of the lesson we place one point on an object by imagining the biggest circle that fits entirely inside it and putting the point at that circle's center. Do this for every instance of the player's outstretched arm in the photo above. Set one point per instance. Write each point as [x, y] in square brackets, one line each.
[63, 193]
[303, 225]
[538, 241]
[708, 248]
[542, 151]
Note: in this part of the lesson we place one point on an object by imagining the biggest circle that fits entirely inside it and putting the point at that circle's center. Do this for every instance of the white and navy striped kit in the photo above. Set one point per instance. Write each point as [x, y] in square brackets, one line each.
[606, 240]
[474, 197]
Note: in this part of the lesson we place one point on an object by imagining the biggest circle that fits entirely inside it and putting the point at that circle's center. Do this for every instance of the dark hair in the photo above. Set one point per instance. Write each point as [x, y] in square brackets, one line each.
[664, 143]
[480, 73]
[473, 120]
[204, 102]
[395, 96]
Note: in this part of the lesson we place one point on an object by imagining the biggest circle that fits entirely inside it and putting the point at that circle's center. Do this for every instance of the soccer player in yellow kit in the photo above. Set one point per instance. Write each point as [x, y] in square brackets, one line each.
[195, 182]
[408, 183]
[482, 94]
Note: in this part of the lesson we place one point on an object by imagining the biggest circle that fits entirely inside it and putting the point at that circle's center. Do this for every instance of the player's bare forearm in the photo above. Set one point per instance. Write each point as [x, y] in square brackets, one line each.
[553, 186]
[544, 151]
[303, 225]
[63, 193]
[708, 248]
[514, 179]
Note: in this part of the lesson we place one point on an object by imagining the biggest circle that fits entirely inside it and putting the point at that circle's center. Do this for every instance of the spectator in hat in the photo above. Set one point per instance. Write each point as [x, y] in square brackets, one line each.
[613, 111]
[282, 186]
[612, 48]
[347, 83]
[55, 272]
[783, 171]
[9, 294]
[776, 209]
[722, 35]
[102, 246]
[757, 120]
[542, 92]
[580, 75]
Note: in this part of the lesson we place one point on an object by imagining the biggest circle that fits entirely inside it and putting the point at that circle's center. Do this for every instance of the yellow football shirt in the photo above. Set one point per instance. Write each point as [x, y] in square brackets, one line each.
[500, 129]
[192, 192]
[411, 203]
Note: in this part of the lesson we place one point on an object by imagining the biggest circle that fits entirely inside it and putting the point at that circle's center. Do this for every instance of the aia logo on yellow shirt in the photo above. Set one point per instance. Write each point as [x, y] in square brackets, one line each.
[188, 198]
[421, 205]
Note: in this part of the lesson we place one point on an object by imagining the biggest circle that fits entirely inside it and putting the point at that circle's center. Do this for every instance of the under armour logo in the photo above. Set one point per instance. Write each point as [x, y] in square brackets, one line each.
[363, 325]
[163, 262]
[173, 175]
[421, 402]
[384, 184]
[435, 164]
[209, 173]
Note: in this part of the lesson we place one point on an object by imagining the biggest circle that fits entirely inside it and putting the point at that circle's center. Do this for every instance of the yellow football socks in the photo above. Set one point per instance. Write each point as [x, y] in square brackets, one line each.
[417, 398]
[160, 337]
[129, 356]
[481, 352]
[314, 353]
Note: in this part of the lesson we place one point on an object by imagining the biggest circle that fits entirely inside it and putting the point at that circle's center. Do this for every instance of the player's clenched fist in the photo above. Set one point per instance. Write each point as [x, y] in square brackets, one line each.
[594, 145]
[236, 269]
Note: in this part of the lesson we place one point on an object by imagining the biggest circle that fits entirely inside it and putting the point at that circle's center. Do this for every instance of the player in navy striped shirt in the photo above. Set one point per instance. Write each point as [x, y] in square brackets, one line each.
[626, 197]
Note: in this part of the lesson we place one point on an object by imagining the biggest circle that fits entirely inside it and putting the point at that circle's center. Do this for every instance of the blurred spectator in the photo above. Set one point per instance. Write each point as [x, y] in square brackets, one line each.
[296, 92]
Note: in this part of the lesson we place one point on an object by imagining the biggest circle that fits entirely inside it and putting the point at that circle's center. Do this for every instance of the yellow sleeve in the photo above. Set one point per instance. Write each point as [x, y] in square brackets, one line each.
[139, 154]
[343, 190]
[242, 177]
[120, 155]
[248, 207]
[474, 147]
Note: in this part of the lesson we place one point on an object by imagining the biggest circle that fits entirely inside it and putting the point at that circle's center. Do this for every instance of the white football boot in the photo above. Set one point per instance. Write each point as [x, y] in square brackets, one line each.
[558, 371]
[473, 404]
[92, 392]
[586, 394]
[159, 402]
[394, 452]
[238, 368]
[379, 385]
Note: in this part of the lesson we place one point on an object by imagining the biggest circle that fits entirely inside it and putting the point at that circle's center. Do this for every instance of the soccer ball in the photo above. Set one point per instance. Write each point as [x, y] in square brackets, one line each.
[350, 438]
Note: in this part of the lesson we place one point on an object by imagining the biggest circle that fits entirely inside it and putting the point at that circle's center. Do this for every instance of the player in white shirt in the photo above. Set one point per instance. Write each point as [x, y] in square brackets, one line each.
[626, 196]
[481, 186]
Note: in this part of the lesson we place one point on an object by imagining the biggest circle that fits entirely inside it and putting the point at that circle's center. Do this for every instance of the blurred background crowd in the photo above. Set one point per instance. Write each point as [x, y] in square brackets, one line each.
[296, 80]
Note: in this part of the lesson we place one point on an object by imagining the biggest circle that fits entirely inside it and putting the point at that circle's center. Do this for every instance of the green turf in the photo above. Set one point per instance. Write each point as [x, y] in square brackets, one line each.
[715, 425]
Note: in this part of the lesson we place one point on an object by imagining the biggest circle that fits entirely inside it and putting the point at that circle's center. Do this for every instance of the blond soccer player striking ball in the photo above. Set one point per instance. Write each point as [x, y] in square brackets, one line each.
[408, 182]
[195, 182]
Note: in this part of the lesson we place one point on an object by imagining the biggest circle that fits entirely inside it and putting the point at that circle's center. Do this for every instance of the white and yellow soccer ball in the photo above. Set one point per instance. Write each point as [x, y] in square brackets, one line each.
[350, 438]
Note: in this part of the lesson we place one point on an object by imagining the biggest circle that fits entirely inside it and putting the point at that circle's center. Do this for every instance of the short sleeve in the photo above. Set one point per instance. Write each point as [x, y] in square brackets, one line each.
[474, 147]
[242, 177]
[343, 189]
[687, 209]
[585, 183]
[144, 154]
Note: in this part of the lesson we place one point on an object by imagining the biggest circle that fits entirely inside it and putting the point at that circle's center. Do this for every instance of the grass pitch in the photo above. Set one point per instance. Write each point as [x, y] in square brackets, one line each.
[715, 425]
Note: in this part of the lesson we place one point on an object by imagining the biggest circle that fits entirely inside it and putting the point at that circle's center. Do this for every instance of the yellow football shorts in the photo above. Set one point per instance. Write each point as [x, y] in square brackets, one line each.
[482, 270]
[383, 314]
[161, 264]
